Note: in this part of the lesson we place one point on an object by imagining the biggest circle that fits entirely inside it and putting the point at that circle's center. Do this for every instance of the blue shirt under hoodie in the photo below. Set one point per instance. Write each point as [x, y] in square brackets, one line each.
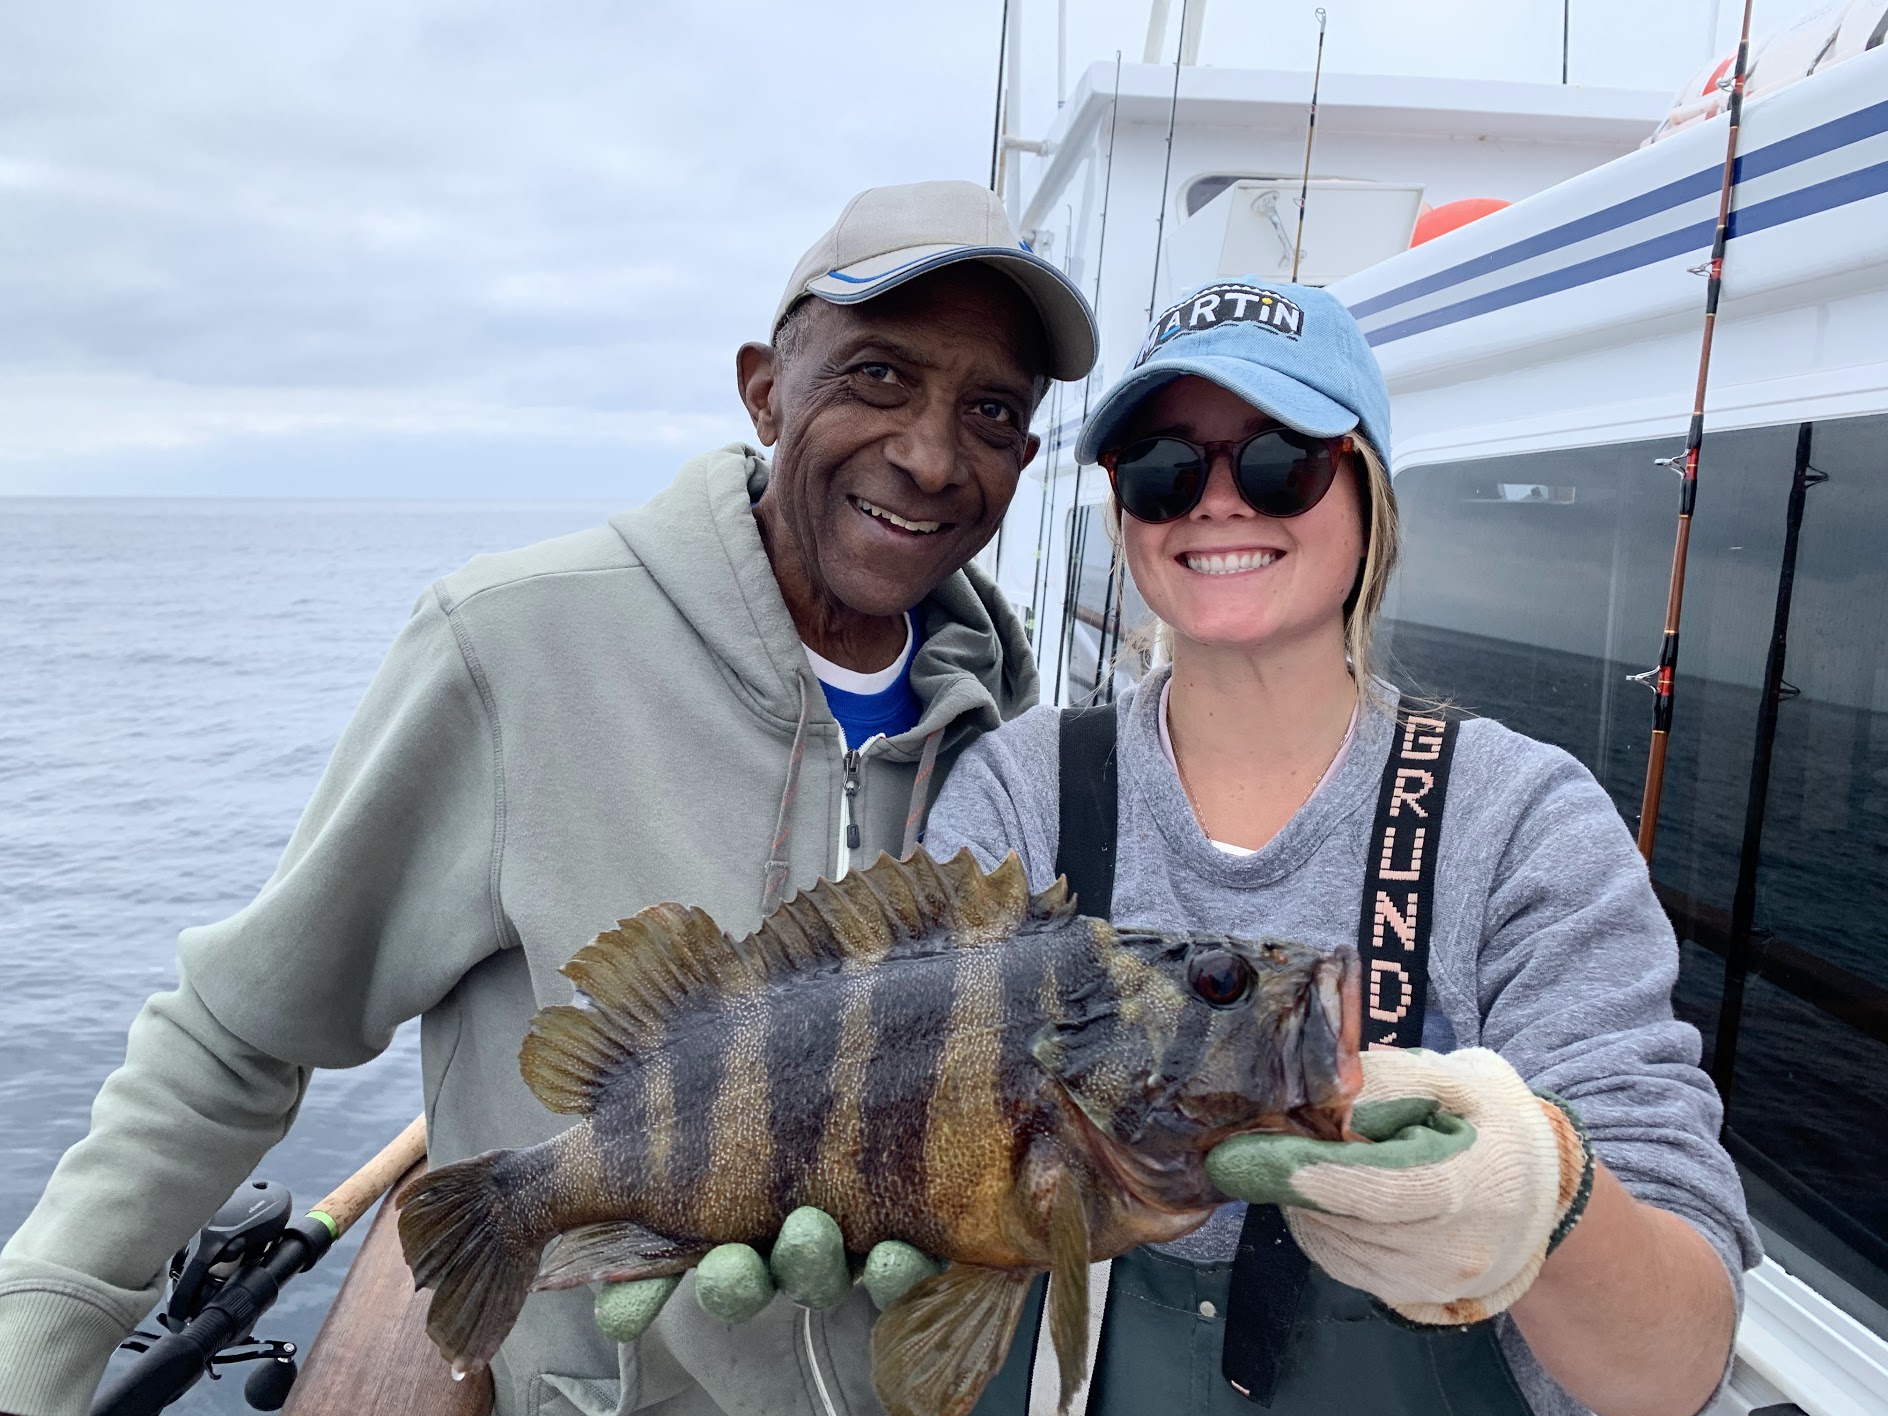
[869, 704]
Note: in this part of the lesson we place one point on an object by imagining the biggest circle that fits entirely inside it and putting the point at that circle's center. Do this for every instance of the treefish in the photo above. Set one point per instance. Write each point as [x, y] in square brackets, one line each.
[924, 1051]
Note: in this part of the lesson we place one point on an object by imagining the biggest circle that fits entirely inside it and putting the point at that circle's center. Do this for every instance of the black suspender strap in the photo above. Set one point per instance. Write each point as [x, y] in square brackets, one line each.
[1400, 880]
[1269, 1270]
[1085, 827]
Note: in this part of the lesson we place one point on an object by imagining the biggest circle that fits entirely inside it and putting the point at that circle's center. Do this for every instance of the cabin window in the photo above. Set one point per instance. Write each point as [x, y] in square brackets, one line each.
[1203, 189]
[1532, 586]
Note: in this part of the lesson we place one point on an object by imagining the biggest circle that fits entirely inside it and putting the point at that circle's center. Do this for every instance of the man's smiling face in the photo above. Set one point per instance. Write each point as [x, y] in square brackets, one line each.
[900, 427]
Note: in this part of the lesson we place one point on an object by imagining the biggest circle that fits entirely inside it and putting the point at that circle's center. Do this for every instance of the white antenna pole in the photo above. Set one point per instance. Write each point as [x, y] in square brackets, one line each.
[1173, 110]
[1156, 30]
[1192, 21]
[1061, 52]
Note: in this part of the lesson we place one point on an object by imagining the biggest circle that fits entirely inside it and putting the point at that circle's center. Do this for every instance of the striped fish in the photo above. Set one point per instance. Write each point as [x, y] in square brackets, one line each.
[926, 1052]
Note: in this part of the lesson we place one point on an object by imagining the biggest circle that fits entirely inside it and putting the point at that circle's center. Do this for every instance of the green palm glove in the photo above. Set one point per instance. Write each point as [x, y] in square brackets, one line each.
[733, 1282]
[1447, 1211]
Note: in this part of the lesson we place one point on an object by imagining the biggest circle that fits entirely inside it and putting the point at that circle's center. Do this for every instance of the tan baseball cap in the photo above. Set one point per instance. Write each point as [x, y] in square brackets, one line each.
[888, 235]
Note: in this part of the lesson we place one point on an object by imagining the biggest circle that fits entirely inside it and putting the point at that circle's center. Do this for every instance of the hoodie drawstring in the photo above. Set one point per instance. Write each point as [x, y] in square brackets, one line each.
[774, 884]
[920, 794]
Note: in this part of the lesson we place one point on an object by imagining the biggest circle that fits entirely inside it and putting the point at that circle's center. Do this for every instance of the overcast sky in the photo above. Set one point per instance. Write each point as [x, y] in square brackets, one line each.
[464, 248]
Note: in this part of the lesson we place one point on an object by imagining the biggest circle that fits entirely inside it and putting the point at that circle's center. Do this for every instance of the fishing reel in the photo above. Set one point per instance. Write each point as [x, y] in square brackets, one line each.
[239, 1237]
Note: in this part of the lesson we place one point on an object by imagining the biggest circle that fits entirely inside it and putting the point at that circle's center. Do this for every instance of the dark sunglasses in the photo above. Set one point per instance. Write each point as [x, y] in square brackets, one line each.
[1279, 472]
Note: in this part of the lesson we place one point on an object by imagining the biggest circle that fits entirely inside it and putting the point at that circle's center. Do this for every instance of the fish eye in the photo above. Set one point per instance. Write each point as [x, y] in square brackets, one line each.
[1220, 977]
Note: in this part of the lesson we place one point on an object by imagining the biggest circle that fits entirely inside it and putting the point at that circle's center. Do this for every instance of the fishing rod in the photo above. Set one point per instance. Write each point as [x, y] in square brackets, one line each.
[231, 1274]
[1311, 132]
[1110, 605]
[1173, 111]
[1039, 575]
[996, 121]
[1078, 541]
[1039, 572]
[1737, 952]
[1663, 678]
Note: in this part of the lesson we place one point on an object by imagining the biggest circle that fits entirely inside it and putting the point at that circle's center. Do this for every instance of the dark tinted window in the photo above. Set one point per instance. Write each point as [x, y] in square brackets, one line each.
[1532, 587]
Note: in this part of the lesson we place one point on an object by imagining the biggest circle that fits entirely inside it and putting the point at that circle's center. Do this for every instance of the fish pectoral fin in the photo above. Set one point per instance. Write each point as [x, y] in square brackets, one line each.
[935, 1349]
[1068, 1283]
[615, 1252]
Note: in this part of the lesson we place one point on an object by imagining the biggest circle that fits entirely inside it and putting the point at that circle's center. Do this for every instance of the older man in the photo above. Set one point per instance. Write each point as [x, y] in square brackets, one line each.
[748, 683]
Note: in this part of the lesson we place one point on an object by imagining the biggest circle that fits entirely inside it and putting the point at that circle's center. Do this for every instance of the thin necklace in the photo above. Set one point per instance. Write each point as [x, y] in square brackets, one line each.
[1194, 802]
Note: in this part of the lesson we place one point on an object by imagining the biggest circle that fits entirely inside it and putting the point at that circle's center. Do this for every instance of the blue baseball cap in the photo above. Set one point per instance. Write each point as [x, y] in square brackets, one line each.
[1291, 351]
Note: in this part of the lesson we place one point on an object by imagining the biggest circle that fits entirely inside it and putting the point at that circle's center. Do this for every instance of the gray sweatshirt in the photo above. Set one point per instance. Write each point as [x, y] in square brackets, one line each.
[1547, 943]
[560, 736]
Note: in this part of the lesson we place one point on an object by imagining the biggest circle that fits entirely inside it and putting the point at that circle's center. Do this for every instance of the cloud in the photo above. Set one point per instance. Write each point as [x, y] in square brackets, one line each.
[231, 231]
[235, 221]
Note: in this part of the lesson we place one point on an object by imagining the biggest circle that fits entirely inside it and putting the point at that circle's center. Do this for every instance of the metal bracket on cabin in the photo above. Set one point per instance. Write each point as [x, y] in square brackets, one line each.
[1266, 205]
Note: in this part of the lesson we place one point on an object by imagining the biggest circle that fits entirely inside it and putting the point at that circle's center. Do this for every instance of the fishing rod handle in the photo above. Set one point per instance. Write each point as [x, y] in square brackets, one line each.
[173, 1364]
[357, 1194]
[167, 1369]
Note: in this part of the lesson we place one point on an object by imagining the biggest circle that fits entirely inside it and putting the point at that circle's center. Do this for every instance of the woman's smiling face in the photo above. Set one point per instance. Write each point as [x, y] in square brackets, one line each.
[1223, 574]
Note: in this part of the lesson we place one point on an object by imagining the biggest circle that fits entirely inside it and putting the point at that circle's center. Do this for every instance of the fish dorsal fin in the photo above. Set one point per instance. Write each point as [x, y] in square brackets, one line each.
[632, 980]
[894, 904]
[1054, 903]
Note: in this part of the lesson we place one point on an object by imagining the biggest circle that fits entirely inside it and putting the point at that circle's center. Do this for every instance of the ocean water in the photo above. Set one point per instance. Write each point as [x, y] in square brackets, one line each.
[173, 676]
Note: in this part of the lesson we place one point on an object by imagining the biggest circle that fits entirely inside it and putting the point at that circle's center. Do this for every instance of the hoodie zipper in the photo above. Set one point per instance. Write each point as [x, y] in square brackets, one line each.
[850, 836]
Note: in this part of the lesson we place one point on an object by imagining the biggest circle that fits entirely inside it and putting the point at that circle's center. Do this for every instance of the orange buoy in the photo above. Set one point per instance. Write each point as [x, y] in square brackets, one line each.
[1439, 221]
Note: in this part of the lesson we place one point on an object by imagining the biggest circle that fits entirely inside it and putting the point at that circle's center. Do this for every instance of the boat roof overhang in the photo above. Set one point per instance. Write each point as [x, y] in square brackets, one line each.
[1348, 105]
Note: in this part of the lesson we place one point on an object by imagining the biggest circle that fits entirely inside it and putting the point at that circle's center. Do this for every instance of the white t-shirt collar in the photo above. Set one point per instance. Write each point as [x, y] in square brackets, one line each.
[851, 680]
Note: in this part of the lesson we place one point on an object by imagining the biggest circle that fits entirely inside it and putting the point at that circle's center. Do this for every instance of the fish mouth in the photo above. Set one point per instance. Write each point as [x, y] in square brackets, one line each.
[1331, 1069]
[1323, 1073]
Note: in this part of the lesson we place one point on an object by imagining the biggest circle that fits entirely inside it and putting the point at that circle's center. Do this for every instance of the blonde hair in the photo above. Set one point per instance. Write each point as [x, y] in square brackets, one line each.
[1152, 643]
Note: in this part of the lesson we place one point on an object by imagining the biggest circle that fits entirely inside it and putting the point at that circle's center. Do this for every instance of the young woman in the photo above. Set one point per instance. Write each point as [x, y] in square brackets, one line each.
[1247, 450]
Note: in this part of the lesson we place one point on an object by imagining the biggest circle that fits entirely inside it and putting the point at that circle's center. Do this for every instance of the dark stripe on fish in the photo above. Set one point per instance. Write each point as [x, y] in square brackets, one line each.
[801, 1048]
[1192, 1033]
[1024, 1018]
[695, 1042]
[622, 1111]
[910, 1019]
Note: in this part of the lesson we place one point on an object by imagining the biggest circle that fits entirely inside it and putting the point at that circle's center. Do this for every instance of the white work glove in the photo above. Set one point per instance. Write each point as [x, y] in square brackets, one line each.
[1448, 1210]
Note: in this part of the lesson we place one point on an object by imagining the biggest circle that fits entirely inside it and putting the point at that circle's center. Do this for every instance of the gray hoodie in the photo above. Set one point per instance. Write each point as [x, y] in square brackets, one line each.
[560, 736]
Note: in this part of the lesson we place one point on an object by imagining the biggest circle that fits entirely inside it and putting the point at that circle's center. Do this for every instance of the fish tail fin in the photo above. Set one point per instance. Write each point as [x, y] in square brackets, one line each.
[478, 1252]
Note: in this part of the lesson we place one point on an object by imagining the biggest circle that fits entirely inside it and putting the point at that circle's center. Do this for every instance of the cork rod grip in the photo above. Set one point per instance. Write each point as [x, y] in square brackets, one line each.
[354, 1196]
